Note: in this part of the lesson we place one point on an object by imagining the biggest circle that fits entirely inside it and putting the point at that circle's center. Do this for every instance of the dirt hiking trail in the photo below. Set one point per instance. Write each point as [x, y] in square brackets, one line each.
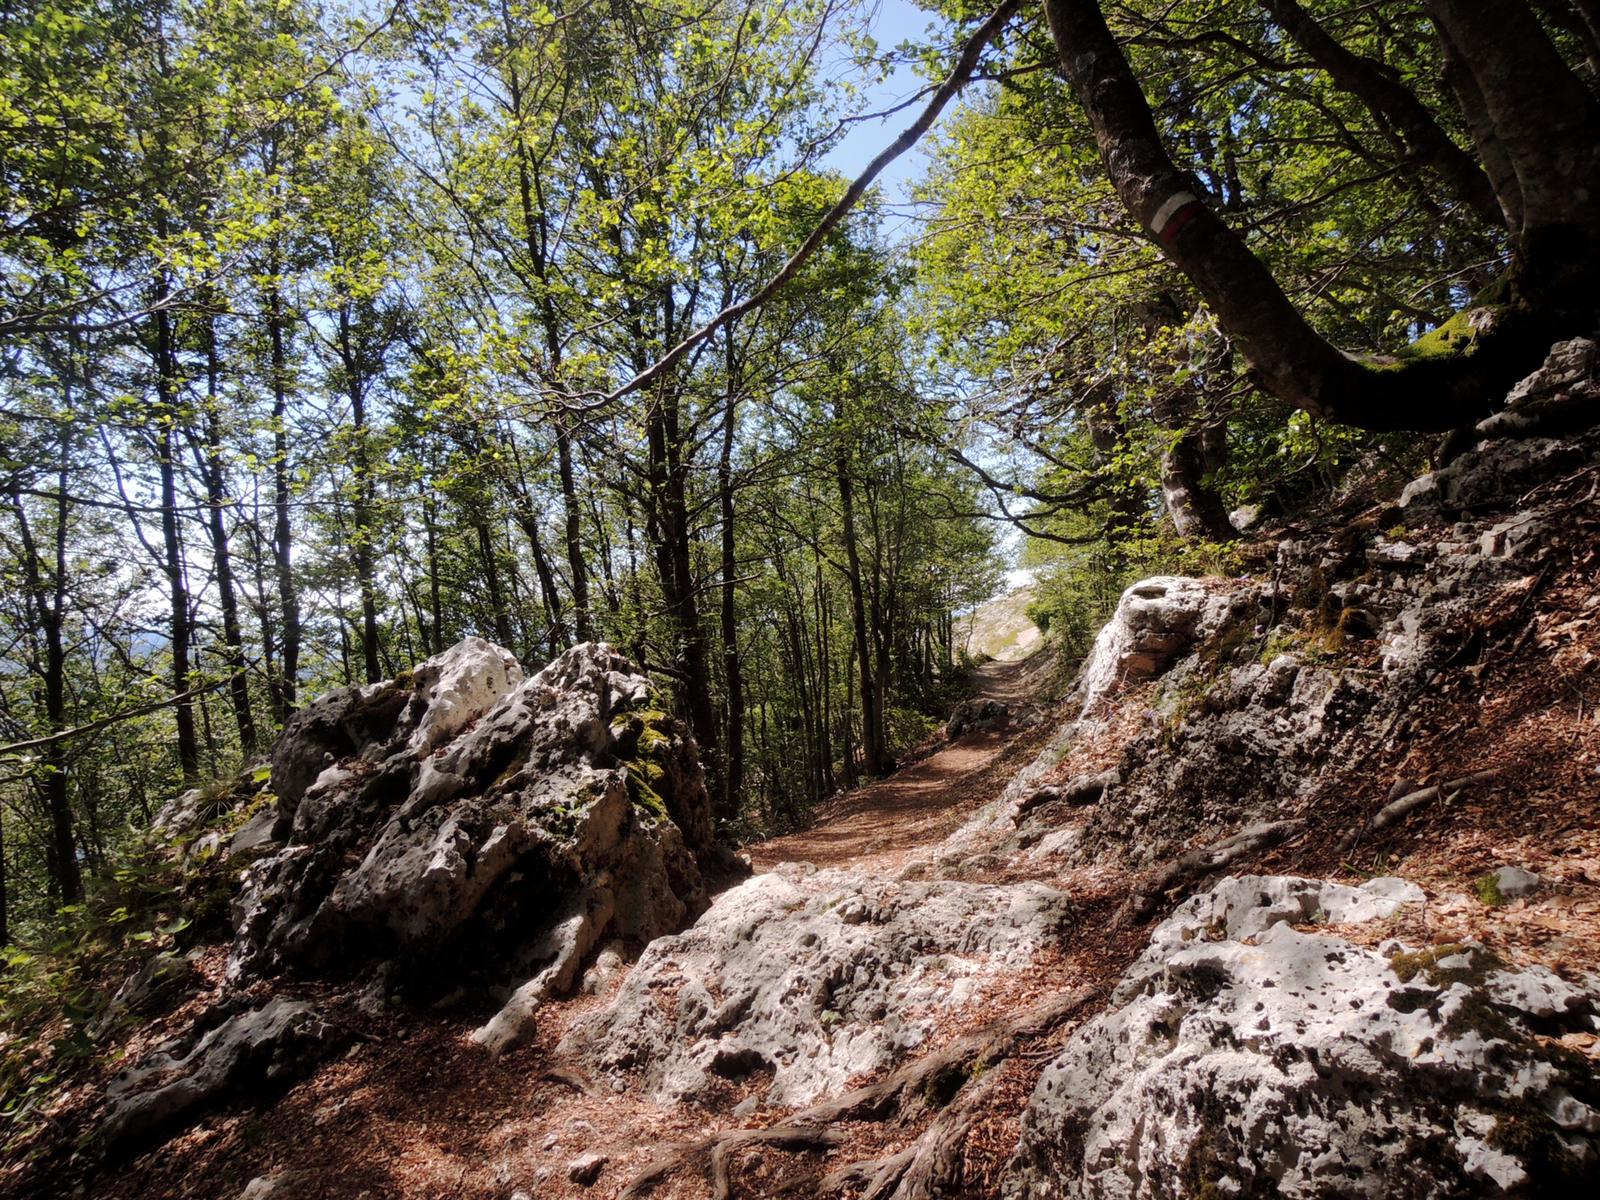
[882, 825]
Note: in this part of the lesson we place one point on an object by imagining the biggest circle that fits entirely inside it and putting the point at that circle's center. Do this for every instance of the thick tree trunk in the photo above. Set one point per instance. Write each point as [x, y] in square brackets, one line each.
[1195, 507]
[1287, 357]
[1548, 122]
[1393, 104]
[1497, 166]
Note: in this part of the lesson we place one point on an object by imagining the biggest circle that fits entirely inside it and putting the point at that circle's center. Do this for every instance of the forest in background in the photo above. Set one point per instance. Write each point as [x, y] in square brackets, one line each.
[316, 322]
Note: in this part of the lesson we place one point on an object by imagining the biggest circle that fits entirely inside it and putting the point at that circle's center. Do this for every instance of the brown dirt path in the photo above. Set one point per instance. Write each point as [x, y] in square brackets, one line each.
[881, 825]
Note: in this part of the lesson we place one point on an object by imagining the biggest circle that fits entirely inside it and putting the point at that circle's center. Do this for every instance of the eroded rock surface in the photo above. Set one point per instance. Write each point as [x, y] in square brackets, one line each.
[1156, 619]
[804, 980]
[1247, 1057]
[466, 827]
[276, 1043]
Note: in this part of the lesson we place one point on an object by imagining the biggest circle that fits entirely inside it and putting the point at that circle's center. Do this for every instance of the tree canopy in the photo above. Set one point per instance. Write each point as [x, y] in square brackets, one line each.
[333, 332]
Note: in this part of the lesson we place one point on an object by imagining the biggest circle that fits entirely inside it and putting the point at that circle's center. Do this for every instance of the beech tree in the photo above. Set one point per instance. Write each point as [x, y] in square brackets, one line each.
[1538, 115]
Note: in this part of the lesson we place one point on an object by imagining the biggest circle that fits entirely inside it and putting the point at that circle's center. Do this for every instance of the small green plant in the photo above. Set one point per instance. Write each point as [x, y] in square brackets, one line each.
[1488, 889]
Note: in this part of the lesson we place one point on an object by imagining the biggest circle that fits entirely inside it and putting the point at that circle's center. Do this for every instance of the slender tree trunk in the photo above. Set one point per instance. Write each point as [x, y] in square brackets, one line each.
[732, 670]
[576, 567]
[5, 898]
[537, 240]
[491, 579]
[871, 700]
[164, 441]
[670, 516]
[286, 682]
[430, 520]
[212, 470]
[1394, 105]
[361, 465]
[48, 602]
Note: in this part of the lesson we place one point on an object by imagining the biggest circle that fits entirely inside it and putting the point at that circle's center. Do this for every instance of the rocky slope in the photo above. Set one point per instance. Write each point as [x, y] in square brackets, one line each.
[462, 834]
[1360, 781]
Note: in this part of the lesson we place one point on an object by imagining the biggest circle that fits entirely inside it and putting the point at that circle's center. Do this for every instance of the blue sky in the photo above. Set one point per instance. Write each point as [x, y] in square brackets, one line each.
[896, 21]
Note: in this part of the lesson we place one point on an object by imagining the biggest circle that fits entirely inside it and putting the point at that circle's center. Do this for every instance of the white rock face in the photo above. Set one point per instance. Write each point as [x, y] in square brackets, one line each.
[1245, 1056]
[468, 827]
[808, 979]
[459, 686]
[1156, 619]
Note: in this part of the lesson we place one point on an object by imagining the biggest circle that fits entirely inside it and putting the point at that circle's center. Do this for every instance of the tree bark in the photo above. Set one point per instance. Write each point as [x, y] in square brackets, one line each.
[732, 673]
[1497, 166]
[871, 699]
[361, 466]
[1288, 358]
[211, 466]
[48, 602]
[284, 684]
[164, 443]
[1393, 104]
[1548, 122]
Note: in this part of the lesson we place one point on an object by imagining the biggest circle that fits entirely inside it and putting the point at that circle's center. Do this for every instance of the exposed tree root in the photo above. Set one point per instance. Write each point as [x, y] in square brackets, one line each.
[1407, 804]
[953, 1083]
[1205, 861]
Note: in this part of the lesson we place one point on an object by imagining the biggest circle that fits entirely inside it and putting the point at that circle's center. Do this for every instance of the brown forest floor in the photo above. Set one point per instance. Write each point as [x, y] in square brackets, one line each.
[883, 824]
[416, 1111]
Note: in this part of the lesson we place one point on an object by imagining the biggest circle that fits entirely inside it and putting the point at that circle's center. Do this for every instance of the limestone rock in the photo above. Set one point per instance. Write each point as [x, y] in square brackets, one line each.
[1156, 619]
[801, 981]
[271, 1044]
[466, 828]
[163, 979]
[975, 714]
[1243, 1057]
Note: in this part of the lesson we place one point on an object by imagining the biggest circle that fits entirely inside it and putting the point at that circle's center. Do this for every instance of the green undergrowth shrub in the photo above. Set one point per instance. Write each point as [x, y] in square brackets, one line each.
[59, 974]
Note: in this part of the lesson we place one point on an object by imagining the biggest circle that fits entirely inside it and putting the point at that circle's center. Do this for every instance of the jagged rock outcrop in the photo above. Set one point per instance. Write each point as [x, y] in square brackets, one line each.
[1155, 621]
[274, 1044]
[804, 979]
[1241, 1056]
[466, 827]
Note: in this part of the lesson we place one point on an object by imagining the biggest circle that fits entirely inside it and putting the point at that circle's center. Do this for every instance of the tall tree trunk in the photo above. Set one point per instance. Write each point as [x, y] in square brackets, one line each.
[732, 670]
[871, 700]
[211, 466]
[164, 442]
[1393, 104]
[491, 579]
[430, 522]
[48, 602]
[361, 466]
[670, 517]
[576, 567]
[285, 683]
